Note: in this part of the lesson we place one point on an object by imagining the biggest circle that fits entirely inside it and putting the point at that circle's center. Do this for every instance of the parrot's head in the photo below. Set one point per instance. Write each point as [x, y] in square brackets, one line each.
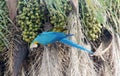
[34, 44]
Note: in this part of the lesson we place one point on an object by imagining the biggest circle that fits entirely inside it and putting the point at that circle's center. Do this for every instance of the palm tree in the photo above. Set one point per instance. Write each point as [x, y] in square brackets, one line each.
[94, 23]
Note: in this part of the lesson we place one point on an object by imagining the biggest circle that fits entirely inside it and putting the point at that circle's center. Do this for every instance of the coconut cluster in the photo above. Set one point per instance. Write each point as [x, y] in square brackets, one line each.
[34, 14]
[92, 27]
[58, 18]
[30, 18]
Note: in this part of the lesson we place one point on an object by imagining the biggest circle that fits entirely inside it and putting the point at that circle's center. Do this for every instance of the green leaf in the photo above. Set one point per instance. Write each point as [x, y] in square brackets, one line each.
[99, 17]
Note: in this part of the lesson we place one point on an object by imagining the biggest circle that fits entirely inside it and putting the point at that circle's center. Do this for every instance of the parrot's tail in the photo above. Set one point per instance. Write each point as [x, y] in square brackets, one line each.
[69, 42]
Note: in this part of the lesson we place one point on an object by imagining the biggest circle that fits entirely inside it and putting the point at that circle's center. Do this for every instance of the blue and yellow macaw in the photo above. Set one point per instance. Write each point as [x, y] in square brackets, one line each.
[46, 38]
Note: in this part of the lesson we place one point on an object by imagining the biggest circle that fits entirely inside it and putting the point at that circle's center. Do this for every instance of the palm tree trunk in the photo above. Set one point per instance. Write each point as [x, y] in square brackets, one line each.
[17, 50]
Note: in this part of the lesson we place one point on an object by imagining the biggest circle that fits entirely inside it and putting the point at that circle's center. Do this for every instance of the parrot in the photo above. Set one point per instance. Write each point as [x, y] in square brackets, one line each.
[46, 38]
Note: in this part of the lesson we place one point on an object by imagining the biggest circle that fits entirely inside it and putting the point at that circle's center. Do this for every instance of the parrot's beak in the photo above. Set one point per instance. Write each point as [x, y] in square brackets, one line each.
[33, 45]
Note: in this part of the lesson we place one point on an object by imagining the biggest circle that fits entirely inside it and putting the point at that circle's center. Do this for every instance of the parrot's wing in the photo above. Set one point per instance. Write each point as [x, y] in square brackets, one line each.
[51, 37]
[56, 34]
[69, 42]
[46, 38]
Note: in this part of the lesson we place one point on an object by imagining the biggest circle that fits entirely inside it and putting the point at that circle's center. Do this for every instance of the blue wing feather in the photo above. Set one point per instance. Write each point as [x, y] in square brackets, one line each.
[69, 42]
[50, 37]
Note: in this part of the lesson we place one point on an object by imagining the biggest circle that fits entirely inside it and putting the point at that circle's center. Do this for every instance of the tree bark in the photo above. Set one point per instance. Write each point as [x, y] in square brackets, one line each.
[20, 49]
[12, 4]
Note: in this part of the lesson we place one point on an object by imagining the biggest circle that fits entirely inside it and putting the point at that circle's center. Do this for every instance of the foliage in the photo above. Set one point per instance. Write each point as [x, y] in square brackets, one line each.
[59, 10]
[96, 14]
[4, 20]
[30, 18]
[113, 14]
[92, 27]
[33, 15]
